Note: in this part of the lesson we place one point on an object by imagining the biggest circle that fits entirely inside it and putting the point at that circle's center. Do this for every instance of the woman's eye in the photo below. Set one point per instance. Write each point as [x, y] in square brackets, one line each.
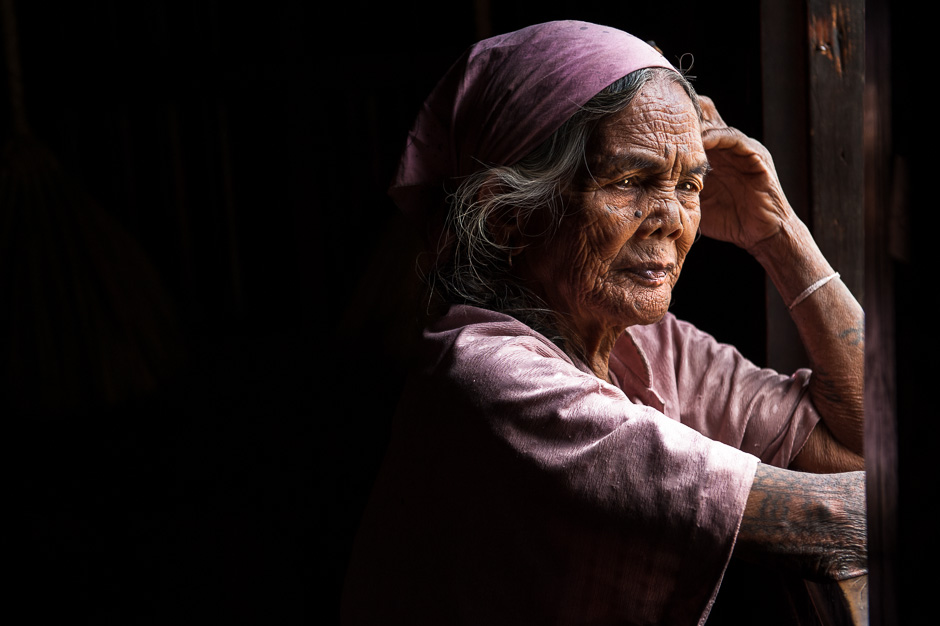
[627, 182]
[688, 187]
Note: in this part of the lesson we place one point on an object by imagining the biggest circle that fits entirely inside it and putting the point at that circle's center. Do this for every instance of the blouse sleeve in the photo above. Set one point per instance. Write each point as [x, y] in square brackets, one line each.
[628, 510]
[712, 388]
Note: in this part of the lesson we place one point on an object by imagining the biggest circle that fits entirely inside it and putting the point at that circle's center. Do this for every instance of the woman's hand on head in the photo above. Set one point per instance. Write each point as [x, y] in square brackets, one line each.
[742, 201]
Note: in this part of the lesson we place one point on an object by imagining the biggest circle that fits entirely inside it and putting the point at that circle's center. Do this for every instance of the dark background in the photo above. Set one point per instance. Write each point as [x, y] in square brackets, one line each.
[207, 305]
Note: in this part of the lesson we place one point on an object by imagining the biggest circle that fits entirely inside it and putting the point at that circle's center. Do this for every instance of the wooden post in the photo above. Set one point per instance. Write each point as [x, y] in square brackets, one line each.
[815, 104]
[881, 243]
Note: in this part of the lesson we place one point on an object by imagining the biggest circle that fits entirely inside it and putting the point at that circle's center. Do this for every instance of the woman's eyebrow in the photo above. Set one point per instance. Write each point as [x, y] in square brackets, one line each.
[632, 161]
[615, 164]
[701, 170]
[628, 162]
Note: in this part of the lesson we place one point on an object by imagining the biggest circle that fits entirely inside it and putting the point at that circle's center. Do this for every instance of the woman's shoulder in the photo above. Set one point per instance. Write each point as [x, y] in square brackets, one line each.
[464, 316]
[480, 339]
[464, 323]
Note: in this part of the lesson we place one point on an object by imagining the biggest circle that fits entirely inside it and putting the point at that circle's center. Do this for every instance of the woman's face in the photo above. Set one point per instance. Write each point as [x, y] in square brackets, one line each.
[631, 216]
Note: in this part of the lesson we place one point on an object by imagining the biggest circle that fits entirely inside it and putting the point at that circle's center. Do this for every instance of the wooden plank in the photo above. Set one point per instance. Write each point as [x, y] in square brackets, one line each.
[836, 75]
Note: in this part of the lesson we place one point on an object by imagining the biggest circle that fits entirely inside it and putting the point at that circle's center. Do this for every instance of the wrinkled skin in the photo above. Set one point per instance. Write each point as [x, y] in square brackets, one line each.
[608, 268]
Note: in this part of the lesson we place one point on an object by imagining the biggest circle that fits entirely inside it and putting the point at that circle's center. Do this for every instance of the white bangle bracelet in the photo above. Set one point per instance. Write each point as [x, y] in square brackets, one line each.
[809, 290]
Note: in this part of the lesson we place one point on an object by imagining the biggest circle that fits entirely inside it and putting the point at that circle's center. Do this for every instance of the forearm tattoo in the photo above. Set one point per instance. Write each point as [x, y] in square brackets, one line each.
[854, 336]
[837, 378]
[813, 524]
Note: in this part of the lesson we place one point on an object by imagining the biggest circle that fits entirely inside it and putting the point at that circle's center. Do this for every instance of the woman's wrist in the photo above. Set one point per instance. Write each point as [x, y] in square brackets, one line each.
[793, 261]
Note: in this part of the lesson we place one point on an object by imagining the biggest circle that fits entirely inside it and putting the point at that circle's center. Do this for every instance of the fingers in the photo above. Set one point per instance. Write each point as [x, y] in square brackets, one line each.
[717, 134]
[723, 137]
[710, 116]
[735, 142]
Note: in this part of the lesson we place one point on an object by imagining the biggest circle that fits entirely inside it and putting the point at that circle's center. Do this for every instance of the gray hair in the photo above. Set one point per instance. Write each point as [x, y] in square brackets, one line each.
[475, 269]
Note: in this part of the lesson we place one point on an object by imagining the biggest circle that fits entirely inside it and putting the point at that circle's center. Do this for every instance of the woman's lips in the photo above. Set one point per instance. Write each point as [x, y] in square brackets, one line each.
[652, 275]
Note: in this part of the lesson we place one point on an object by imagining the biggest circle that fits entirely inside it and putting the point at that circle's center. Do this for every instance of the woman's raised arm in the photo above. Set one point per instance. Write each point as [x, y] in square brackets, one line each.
[743, 203]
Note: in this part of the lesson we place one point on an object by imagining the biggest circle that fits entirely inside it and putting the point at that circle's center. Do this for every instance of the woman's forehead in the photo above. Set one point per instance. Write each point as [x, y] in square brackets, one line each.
[659, 106]
[658, 125]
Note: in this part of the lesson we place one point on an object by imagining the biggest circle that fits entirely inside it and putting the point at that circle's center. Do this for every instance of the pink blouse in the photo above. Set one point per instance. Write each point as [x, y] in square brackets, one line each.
[519, 488]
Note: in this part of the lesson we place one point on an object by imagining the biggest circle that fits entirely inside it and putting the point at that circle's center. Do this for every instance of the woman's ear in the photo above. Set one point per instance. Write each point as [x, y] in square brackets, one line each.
[503, 222]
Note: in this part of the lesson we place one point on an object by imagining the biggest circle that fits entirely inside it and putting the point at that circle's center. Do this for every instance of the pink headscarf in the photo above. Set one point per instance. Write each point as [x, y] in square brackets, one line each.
[504, 97]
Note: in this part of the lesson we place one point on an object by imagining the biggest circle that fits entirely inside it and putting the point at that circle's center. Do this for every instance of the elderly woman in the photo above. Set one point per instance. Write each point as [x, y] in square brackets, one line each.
[567, 451]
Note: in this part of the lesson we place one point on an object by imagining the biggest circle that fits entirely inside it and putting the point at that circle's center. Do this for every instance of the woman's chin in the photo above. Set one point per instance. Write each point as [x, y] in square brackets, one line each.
[636, 313]
[650, 305]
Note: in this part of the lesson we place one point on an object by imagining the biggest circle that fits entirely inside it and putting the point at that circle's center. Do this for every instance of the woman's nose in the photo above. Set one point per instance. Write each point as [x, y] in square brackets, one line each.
[664, 219]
